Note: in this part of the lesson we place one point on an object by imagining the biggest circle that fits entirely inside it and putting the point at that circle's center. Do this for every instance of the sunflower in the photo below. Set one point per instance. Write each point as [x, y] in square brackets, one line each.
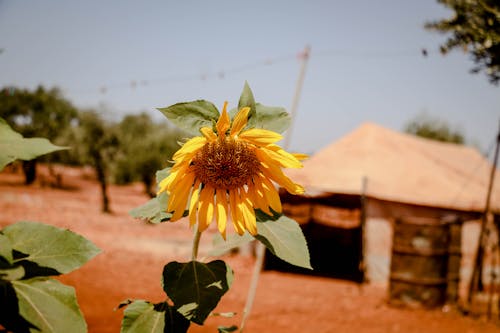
[227, 173]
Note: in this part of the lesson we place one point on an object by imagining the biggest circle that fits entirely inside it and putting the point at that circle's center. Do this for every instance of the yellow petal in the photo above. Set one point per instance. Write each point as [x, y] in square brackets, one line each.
[193, 204]
[300, 157]
[208, 133]
[271, 194]
[190, 148]
[165, 182]
[178, 199]
[223, 123]
[234, 198]
[270, 157]
[260, 137]
[257, 196]
[273, 172]
[206, 208]
[221, 211]
[240, 121]
[284, 158]
[176, 174]
[248, 213]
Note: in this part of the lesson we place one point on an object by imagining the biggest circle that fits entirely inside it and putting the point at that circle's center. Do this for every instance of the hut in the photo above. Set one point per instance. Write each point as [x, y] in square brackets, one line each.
[425, 188]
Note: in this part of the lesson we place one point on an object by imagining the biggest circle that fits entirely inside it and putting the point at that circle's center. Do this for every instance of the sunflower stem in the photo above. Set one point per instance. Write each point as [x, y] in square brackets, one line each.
[196, 244]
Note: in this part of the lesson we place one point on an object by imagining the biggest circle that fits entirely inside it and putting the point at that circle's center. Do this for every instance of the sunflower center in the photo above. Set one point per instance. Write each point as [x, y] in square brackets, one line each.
[225, 164]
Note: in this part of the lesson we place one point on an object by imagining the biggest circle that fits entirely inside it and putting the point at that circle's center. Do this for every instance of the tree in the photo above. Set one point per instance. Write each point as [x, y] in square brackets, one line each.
[42, 112]
[475, 27]
[97, 144]
[433, 128]
[145, 147]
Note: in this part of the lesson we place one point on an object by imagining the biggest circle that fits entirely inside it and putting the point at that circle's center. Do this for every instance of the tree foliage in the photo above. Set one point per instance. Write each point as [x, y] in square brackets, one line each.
[96, 144]
[474, 27]
[42, 113]
[434, 129]
[144, 148]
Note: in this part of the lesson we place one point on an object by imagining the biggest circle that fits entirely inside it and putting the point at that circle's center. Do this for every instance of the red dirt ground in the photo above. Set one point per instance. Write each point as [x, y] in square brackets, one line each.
[134, 253]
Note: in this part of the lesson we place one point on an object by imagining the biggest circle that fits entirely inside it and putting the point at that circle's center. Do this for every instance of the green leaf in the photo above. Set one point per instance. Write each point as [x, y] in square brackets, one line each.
[10, 318]
[272, 118]
[12, 273]
[285, 239]
[5, 248]
[162, 174]
[191, 116]
[49, 305]
[196, 288]
[13, 146]
[141, 317]
[153, 211]
[221, 246]
[144, 317]
[247, 99]
[49, 246]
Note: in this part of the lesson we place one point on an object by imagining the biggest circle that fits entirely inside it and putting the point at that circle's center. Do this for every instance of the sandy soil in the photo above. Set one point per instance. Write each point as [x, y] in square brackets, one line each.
[134, 253]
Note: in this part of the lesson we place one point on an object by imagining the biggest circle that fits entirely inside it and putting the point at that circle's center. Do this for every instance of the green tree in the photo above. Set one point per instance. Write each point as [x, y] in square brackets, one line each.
[96, 143]
[144, 148]
[44, 113]
[433, 128]
[474, 27]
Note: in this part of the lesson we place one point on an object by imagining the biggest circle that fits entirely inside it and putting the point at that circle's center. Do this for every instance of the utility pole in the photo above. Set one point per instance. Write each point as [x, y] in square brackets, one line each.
[260, 248]
[476, 279]
[304, 57]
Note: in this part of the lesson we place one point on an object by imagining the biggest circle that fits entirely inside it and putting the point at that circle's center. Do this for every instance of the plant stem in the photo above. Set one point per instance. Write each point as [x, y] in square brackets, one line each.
[196, 243]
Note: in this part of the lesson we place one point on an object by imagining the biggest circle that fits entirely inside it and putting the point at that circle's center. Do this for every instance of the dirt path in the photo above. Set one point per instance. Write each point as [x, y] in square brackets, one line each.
[134, 254]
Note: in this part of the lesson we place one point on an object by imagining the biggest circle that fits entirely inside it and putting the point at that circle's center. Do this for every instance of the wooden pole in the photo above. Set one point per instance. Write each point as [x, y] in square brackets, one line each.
[478, 260]
[260, 248]
[304, 56]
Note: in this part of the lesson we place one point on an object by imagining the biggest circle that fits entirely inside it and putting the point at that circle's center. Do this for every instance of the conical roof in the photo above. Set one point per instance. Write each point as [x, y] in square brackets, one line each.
[401, 168]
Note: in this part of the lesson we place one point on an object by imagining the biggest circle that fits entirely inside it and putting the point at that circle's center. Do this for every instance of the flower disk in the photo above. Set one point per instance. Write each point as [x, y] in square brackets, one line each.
[228, 173]
[225, 164]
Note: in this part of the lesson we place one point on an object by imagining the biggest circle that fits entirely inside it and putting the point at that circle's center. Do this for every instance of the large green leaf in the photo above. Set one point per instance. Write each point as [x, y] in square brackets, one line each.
[5, 248]
[272, 118]
[13, 146]
[10, 318]
[49, 246]
[285, 239]
[191, 116]
[49, 305]
[12, 273]
[195, 287]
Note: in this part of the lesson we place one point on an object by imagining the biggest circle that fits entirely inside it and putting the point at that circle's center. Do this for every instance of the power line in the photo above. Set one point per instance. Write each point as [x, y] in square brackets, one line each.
[223, 73]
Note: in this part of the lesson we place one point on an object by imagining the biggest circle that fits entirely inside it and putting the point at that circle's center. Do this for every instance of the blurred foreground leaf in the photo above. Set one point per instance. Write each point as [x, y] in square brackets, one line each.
[50, 247]
[49, 305]
[13, 146]
[196, 288]
[5, 248]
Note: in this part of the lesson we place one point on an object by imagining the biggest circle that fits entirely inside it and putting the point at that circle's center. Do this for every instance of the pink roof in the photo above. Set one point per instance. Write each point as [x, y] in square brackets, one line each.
[401, 168]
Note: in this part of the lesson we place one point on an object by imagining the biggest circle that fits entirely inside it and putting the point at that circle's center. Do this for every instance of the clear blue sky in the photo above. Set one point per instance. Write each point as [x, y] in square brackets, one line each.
[366, 62]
